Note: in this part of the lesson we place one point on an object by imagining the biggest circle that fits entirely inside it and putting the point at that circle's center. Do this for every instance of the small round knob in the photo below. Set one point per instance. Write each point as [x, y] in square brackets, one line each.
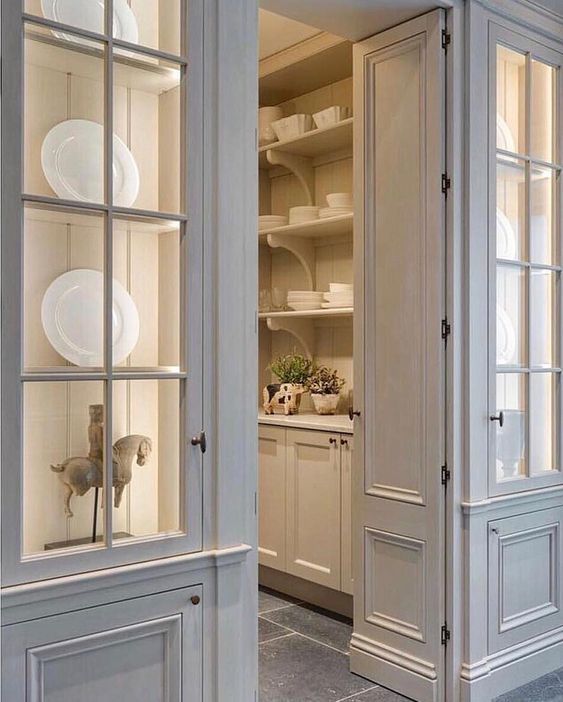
[344, 442]
[195, 600]
[332, 440]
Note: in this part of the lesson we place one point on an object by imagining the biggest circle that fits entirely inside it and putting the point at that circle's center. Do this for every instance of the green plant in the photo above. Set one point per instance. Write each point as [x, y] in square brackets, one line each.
[325, 381]
[292, 368]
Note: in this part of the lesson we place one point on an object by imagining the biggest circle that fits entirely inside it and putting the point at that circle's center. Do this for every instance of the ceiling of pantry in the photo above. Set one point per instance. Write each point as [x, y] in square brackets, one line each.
[353, 19]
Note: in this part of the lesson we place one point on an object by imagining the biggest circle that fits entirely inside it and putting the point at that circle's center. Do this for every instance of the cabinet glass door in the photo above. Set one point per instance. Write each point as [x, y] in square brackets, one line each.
[526, 242]
[104, 279]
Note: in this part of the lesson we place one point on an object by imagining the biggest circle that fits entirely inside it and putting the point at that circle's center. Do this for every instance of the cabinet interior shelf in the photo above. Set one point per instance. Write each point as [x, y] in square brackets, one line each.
[318, 228]
[312, 144]
[142, 72]
[309, 314]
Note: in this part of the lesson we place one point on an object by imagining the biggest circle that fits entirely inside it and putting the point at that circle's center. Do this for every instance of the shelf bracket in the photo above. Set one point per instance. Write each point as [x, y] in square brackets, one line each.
[302, 249]
[301, 329]
[300, 166]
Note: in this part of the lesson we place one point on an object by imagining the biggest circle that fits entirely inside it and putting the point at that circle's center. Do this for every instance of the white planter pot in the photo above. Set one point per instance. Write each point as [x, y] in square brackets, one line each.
[325, 404]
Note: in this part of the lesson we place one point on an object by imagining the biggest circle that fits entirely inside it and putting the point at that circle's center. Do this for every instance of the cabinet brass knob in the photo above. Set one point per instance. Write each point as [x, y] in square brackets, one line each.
[332, 440]
[353, 413]
[195, 600]
[344, 442]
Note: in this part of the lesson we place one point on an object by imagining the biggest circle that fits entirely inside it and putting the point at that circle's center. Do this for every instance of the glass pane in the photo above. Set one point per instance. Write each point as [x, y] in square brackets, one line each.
[543, 422]
[511, 209]
[156, 24]
[64, 117]
[543, 320]
[511, 437]
[146, 269]
[76, 13]
[542, 219]
[62, 464]
[63, 291]
[542, 112]
[146, 453]
[511, 95]
[511, 316]
[147, 121]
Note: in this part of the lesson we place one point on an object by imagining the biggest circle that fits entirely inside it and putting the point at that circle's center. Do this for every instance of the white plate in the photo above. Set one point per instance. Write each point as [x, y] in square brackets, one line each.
[89, 14]
[72, 317]
[304, 306]
[505, 139]
[335, 306]
[506, 338]
[506, 239]
[72, 160]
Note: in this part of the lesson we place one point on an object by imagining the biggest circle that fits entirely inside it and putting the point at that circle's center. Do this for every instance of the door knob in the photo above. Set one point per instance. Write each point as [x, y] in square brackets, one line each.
[498, 418]
[200, 440]
[195, 600]
[353, 413]
[344, 442]
[332, 440]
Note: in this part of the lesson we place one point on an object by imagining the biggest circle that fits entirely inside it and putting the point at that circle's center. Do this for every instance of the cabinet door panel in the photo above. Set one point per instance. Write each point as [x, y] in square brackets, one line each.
[313, 506]
[148, 648]
[271, 505]
[346, 449]
[525, 576]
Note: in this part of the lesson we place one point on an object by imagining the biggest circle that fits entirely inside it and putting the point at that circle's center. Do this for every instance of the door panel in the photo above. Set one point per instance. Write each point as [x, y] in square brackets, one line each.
[313, 506]
[398, 499]
[148, 648]
[271, 508]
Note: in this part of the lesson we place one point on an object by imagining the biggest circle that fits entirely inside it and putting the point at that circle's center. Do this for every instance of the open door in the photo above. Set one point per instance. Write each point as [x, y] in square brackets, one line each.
[399, 383]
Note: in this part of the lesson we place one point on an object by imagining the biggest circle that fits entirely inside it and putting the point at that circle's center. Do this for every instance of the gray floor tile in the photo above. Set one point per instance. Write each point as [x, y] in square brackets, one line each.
[315, 624]
[269, 600]
[548, 688]
[297, 669]
[268, 630]
[378, 694]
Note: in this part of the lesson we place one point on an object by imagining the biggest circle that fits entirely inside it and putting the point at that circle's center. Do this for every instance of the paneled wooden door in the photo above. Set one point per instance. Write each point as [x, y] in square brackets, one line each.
[398, 496]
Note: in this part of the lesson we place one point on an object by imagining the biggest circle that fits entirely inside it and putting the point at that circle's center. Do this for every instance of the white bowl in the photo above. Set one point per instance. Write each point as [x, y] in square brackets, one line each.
[303, 213]
[271, 221]
[331, 116]
[340, 200]
[267, 115]
[304, 306]
[341, 287]
[328, 212]
[292, 127]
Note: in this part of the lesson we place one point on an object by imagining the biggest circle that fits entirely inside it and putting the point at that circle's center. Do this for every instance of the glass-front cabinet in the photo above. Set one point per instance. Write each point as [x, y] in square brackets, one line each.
[526, 266]
[102, 295]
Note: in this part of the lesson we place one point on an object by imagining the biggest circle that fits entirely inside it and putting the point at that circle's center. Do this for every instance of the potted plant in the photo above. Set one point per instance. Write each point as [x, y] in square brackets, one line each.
[325, 386]
[293, 372]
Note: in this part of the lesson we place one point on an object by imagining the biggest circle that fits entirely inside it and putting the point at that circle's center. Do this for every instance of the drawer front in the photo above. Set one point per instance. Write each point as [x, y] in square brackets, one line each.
[525, 576]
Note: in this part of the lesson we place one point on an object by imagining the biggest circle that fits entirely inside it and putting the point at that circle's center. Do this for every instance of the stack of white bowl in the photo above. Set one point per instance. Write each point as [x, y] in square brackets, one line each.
[303, 213]
[301, 300]
[338, 204]
[340, 295]
[271, 221]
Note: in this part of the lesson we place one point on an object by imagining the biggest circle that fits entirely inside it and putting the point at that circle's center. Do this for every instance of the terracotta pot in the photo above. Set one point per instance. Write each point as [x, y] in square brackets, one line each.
[325, 404]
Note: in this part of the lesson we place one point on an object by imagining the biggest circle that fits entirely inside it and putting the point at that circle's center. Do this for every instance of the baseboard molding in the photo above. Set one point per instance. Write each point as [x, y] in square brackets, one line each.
[332, 600]
[407, 675]
[515, 666]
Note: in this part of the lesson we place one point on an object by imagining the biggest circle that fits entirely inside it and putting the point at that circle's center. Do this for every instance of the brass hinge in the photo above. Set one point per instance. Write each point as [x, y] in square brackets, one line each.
[446, 474]
[446, 183]
[445, 635]
[446, 39]
[446, 328]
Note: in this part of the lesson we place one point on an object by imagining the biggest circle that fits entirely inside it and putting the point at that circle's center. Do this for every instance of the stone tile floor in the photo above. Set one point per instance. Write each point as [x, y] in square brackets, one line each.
[303, 658]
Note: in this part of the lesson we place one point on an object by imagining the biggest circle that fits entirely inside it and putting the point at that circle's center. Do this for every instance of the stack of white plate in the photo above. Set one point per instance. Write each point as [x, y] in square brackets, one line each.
[303, 213]
[340, 295]
[304, 300]
[271, 221]
[338, 204]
